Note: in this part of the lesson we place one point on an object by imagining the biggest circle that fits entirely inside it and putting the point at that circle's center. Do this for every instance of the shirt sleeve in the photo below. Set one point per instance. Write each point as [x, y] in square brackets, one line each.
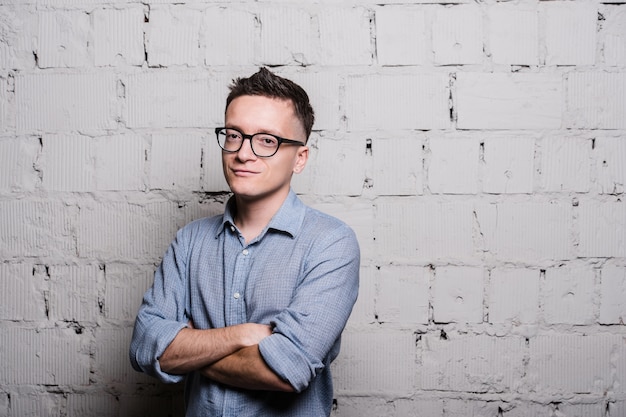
[306, 335]
[163, 312]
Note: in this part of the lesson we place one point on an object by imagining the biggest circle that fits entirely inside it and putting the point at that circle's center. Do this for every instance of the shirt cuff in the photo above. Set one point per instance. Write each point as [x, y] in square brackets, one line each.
[147, 359]
[288, 362]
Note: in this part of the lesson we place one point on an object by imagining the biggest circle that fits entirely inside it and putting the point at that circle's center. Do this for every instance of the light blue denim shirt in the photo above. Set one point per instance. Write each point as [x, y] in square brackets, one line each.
[301, 274]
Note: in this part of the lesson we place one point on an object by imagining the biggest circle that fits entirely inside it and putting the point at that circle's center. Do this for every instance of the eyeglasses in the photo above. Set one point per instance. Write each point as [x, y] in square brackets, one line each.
[263, 145]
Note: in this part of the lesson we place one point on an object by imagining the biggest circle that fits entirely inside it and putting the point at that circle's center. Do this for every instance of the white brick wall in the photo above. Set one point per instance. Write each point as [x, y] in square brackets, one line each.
[514, 34]
[478, 149]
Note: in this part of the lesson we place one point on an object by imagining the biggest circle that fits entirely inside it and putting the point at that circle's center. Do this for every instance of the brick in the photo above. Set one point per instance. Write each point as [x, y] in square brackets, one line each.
[118, 36]
[20, 26]
[36, 405]
[458, 295]
[119, 162]
[202, 206]
[63, 102]
[44, 356]
[418, 406]
[338, 159]
[17, 159]
[617, 408]
[6, 122]
[74, 292]
[619, 365]
[568, 295]
[571, 363]
[596, 100]
[132, 232]
[602, 228]
[336, 47]
[582, 410]
[401, 36]
[174, 99]
[471, 363]
[349, 406]
[509, 165]
[230, 36]
[508, 101]
[400, 101]
[403, 295]
[613, 32]
[375, 363]
[323, 91]
[68, 163]
[565, 164]
[22, 291]
[364, 311]
[173, 36]
[397, 166]
[445, 231]
[92, 404]
[514, 296]
[64, 39]
[513, 34]
[463, 408]
[36, 228]
[212, 172]
[613, 295]
[570, 32]
[453, 167]
[534, 232]
[175, 162]
[4, 404]
[529, 409]
[288, 36]
[610, 154]
[124, 289]
[82, 163]
[111, 357]
[457, 35]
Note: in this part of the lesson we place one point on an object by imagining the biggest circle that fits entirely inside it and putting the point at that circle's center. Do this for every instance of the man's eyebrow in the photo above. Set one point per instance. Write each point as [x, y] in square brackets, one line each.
[268, 131]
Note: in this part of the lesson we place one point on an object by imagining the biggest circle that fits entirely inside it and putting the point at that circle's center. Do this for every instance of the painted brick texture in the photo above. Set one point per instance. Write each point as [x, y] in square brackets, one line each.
[478, 150]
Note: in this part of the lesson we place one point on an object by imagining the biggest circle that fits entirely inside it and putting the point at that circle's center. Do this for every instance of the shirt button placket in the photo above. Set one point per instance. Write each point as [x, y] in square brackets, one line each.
[242, 271]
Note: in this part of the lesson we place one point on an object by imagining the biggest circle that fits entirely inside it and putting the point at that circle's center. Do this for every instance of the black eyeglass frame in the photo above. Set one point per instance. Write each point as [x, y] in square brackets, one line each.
[249, 137]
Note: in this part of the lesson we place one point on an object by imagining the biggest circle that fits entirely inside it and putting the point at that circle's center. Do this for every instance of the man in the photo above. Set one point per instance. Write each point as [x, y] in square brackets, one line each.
[248, 307]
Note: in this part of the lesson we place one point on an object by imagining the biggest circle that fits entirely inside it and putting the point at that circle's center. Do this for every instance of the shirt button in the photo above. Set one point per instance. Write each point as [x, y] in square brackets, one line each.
[245, 251]
[232, 228]
[236, 295]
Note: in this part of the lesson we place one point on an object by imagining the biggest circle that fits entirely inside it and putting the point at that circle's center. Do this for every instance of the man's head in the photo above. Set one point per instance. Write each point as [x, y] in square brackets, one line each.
[275, 115]
[267, 84]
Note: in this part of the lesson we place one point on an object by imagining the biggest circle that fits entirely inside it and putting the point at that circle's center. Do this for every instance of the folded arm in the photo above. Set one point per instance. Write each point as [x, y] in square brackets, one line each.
[246, 369]
[193, 349]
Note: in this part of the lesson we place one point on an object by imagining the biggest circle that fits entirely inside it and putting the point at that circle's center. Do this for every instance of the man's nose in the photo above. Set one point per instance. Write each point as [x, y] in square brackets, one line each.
[245, 152]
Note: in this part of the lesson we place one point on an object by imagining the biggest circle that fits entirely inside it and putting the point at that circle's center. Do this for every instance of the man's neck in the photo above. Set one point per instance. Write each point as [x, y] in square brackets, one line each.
[252, 216]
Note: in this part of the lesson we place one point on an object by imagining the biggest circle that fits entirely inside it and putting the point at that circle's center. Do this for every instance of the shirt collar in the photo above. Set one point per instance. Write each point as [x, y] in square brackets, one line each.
[288, 218]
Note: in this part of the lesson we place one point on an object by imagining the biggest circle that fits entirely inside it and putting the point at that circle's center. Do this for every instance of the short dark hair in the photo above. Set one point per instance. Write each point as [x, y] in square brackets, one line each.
[266, 83]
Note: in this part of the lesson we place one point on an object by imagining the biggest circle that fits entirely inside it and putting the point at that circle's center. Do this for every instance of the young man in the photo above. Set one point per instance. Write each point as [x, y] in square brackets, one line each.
[249, 306]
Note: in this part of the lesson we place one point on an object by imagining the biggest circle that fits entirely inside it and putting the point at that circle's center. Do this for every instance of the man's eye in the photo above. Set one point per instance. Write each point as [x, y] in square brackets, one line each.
[267, 141]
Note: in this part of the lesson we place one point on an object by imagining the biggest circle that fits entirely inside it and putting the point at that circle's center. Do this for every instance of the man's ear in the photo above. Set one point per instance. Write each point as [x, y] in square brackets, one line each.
[301, 158]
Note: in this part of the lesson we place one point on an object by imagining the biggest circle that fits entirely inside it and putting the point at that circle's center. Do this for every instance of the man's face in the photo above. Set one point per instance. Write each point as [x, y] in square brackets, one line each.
[249, 176]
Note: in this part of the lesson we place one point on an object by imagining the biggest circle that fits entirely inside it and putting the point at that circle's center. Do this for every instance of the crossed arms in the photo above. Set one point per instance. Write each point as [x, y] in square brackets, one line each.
[229, 355]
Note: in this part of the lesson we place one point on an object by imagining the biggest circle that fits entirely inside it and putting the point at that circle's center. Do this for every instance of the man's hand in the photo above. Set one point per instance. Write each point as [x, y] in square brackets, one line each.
[193, 349]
